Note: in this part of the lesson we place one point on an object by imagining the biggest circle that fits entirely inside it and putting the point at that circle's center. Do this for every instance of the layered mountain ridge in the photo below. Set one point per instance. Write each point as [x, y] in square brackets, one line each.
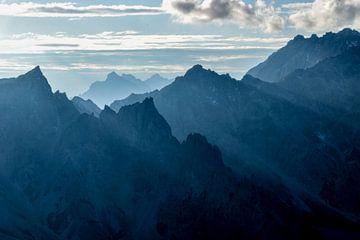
[302, 53]
[120, 86]
[269, 125]
[124, 176]
[205, 157]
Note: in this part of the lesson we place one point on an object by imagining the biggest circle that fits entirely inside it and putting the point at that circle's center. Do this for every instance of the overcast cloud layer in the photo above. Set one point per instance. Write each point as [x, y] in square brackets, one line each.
[238, 12]
[319, 16]
[327, 15]
[56, 9]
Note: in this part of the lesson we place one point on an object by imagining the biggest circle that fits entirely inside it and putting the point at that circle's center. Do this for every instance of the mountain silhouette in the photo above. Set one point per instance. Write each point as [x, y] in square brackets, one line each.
[333, 82]
[255, 124]
[302, 53]
[123, 175]
[86, 106]
[157, 82]
[120, 86]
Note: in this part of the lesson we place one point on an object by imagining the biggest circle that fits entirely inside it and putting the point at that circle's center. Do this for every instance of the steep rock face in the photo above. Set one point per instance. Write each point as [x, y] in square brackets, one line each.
[334, 82]
[33, 121]
[33, 116]
[302, 53]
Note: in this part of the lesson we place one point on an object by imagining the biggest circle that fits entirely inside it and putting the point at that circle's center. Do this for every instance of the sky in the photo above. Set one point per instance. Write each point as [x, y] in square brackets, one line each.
[77, 42]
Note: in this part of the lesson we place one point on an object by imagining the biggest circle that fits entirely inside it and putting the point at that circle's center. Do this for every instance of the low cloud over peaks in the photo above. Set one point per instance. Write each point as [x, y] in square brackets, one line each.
[238, 12]
[327, 15]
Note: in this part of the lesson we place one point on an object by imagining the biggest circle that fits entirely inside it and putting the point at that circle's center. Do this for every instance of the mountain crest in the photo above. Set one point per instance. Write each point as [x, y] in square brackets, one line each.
[139, 123]
[196, 69]
[36, 80]
[34, 73]
[112, 75]
[303, 53]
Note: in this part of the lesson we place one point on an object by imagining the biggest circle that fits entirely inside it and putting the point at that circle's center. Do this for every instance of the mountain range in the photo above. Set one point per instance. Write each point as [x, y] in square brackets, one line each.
[302, 127]
[205, 157]
[303, 53]
[118, 87]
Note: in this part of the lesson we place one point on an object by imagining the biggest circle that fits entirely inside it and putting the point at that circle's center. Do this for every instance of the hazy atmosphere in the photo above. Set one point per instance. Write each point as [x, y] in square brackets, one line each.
[180, 120]
[79, 42]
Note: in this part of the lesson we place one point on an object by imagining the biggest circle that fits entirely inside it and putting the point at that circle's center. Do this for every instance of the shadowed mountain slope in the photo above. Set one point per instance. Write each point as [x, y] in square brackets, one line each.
[302, 53]
[124, 176]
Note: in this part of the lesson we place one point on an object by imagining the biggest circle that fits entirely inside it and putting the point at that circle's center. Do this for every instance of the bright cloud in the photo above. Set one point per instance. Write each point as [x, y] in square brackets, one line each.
[327, 15]
[129, 40]
[73, 10]
[257, 15]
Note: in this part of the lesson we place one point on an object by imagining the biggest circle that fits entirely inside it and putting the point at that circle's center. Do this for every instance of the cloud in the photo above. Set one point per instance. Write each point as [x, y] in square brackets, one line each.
[327, 15]
[73, 10]
[129, 40]
[290, 8]
[257, 15]
[223, 58]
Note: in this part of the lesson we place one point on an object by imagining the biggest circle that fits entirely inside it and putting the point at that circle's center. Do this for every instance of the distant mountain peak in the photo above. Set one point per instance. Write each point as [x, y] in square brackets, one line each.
[348, 31]
[156, 75]
[196, 70]
[36, 80]
[149, 102]
[35, 72]
[314, 36]
[199, 74]
[107, 109]
[146, 107]
[86, 106]
[112, 75]
[299, 38]
[126, 75]
[156, 81]
[303, 53]
[113, 88]
[139, 123]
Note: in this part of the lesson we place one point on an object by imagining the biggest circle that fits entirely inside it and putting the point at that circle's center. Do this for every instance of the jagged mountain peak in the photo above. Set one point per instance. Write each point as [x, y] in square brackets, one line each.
[196, 69]
[303, 53]
[146, 107]
[34, 73]
[86, 106]
[140, 123]
[314, 36]
[348, 31]
[298, 37]
[113, 88]
[107, 110]
[145, 115]
[35, 79]
[199, 73]
[113, 74]
[156, 81]
[129, 77]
